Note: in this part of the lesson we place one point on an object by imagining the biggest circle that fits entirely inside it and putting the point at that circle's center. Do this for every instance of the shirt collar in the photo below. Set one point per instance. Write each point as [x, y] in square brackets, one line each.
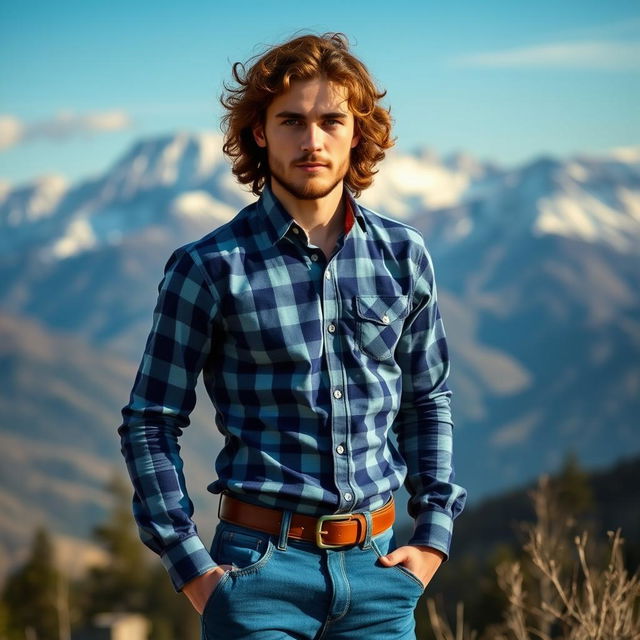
[348, 215]
[277, 220]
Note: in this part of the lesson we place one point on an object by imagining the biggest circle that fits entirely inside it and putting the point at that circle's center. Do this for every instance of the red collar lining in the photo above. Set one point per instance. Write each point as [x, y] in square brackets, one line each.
[349, 218]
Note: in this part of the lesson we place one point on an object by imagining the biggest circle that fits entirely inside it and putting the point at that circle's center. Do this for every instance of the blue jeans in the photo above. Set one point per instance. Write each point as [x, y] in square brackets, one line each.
[281, 588]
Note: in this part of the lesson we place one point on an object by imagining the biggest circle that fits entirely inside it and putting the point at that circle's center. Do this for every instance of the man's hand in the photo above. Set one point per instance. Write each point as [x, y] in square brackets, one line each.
[199, 589]
[421, 561]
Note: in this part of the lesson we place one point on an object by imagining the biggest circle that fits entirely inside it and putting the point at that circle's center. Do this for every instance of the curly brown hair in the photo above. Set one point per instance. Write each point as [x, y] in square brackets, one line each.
[271, 74]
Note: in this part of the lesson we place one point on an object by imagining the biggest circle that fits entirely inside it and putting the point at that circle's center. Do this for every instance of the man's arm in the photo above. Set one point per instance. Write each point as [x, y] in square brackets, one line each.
[162, 398]
[424, 426]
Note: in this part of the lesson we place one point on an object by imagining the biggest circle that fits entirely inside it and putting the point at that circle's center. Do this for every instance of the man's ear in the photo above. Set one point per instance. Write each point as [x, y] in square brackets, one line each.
[356, 135]
[258, 135]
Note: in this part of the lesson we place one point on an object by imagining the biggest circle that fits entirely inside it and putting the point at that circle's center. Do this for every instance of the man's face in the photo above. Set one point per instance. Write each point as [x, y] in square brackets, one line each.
[308, 134]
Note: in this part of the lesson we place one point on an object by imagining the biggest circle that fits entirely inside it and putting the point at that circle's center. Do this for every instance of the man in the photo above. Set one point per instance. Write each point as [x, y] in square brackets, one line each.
[316, 326]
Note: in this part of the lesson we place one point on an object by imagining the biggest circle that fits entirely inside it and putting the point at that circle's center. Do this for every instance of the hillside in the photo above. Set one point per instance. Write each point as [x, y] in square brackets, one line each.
[60, 402]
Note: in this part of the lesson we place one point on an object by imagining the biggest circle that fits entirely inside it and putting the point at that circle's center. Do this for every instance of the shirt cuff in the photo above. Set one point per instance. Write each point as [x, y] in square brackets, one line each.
[185, 560]
[433, 529]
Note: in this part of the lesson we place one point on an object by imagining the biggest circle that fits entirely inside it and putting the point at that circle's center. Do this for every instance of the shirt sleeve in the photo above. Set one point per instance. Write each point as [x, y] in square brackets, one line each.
[424, 426]
[161, 400]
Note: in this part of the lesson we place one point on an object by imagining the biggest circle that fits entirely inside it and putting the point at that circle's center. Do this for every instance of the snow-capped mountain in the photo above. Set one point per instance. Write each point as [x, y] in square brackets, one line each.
[585, 198]
[26, 210]
[30, 202]
[423, 181]
[155, 182]
[185, 177]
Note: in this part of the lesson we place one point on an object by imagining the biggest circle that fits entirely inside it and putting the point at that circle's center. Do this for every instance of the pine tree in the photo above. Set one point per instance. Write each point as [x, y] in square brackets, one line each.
[133, 580]
[572, 489]
[122, 584]
[30, 596]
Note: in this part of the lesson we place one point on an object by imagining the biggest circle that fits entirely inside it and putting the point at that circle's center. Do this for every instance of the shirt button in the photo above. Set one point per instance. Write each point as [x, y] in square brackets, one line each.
[348, 497]
[337, 394]
[296, 230]
[331, 328]
[340, 449]
[314, 257]
[385, 318]
[327, 274]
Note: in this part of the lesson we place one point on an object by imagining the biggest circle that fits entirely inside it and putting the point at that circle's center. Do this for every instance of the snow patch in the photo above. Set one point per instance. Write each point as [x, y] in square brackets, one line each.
[407, 183]
[210, 146]
[32, 202]
[631, 201]
[79, 237]
[577, 172]
[199, 205]
[581, 215]
[629, 155]
[5, 189]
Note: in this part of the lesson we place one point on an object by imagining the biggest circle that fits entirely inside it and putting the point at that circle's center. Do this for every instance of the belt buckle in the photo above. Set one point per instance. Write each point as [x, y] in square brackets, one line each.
[319, 531]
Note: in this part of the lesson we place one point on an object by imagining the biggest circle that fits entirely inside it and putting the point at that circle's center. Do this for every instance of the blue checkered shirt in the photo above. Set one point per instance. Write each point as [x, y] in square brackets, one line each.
[311, 365]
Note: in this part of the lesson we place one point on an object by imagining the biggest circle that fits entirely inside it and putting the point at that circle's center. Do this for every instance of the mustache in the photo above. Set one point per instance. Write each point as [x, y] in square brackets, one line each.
[310, 158]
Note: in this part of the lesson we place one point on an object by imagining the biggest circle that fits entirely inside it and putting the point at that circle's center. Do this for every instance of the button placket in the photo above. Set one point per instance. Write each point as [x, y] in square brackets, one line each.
[339, 408]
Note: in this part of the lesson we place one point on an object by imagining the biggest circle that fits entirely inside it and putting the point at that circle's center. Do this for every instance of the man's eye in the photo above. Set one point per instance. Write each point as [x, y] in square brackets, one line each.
[332, 122]
[290, 122]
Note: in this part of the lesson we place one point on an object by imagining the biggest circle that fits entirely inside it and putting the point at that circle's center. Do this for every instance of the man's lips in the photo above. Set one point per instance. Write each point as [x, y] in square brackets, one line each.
[310, 166]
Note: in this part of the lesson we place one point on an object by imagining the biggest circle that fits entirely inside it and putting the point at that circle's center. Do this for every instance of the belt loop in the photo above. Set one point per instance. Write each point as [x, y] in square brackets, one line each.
[367, 540]
[284, 529]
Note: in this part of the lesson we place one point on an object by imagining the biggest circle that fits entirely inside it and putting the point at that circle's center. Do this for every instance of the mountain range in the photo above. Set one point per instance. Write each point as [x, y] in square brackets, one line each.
[538, 272]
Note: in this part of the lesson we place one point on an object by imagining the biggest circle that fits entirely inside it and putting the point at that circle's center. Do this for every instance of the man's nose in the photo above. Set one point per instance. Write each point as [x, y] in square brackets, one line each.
[312, 138]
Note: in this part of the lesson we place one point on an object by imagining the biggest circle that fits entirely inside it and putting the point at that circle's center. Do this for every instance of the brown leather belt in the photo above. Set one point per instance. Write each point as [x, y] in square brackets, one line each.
[328, 531]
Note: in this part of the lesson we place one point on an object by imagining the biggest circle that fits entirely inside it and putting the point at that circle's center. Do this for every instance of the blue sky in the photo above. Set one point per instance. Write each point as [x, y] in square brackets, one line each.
[506, 81]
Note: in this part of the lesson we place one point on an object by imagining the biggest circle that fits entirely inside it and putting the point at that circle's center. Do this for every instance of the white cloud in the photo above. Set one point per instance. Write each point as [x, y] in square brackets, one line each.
[514, 433]
[11, 131]
[107, 121]
[591, 55]
[602, 31]
[64, 125]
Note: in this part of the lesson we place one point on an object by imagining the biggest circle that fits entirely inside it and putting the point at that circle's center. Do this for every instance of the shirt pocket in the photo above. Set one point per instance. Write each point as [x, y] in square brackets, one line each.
[379, 324]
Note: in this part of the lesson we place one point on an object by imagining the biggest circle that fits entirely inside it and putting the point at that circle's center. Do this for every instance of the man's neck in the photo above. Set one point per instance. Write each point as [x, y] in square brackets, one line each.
[321, 218]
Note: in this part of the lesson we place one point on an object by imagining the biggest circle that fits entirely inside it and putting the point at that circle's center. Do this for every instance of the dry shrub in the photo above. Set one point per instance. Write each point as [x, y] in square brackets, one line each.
[561, 590]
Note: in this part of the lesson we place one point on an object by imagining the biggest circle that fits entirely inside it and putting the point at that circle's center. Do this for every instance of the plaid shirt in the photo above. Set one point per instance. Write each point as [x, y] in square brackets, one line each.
[310, 364]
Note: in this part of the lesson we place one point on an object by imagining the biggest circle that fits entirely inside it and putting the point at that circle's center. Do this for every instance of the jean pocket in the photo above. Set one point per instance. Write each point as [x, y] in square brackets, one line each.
[412, 576]
[246, 550]
[383, 544]
[380, 320]
[216, 590]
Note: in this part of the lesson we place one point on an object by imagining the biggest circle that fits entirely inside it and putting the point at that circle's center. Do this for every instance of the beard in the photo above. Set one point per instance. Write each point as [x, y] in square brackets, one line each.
[308, 190]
